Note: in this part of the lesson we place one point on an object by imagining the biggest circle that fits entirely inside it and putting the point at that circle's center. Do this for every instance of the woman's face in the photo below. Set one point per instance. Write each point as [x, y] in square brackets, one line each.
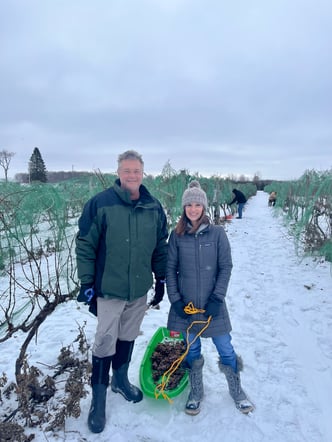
[193, 212]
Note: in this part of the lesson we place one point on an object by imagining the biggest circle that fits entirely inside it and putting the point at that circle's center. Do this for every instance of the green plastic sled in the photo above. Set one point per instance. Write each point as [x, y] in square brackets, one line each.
[145, 375]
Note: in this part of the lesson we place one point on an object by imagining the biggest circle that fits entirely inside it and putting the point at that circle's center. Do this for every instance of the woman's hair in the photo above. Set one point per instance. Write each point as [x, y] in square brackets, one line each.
[182, 225]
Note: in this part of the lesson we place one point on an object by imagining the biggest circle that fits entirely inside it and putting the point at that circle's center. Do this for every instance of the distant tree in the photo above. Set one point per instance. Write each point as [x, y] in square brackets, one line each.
[257, 177]
[231, 177]
[21, 177]
[168, 170]
[37, 168]
[5, 158]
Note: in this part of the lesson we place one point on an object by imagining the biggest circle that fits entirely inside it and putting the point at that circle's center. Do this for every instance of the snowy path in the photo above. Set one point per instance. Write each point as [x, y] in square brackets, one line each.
[281, 329]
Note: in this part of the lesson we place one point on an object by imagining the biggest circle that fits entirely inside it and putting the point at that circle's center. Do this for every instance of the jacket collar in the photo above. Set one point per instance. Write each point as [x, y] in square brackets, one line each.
[200, 228]
[144, 198]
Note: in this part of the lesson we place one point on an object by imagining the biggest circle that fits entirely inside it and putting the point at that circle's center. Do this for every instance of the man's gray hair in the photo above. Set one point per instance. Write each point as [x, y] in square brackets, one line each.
[130, 155]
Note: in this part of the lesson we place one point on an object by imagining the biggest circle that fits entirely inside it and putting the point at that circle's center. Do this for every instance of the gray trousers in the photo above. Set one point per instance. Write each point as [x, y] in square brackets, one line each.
[117, 319]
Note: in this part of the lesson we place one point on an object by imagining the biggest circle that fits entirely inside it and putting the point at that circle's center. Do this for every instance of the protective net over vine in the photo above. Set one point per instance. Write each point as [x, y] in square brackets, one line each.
[307, 205]
[38, 224]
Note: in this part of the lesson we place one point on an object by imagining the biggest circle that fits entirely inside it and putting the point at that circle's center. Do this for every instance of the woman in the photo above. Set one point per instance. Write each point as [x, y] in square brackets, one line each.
[198, 271]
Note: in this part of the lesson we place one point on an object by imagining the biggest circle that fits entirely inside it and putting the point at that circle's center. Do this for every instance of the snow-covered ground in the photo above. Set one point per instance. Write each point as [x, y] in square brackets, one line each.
[281, 312]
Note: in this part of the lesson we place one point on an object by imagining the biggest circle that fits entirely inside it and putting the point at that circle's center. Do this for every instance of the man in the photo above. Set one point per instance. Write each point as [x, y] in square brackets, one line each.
[240, 199]
[122, 240]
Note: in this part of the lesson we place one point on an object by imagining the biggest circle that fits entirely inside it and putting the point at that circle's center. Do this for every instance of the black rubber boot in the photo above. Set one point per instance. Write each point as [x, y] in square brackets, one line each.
[120, 364]
[99, 382]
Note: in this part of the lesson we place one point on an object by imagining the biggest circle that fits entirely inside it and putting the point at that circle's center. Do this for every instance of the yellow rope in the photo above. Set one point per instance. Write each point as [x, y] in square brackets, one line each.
[190, 309]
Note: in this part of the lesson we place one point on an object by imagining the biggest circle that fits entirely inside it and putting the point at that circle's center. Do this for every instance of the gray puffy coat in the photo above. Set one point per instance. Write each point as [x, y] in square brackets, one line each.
[198, 266]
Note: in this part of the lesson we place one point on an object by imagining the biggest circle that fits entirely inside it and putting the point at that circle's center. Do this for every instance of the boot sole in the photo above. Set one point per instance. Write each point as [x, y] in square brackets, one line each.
[245, 410]
[192, 411]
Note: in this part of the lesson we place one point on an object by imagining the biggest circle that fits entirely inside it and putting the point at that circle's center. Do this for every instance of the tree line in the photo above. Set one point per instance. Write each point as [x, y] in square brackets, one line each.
[37, 172]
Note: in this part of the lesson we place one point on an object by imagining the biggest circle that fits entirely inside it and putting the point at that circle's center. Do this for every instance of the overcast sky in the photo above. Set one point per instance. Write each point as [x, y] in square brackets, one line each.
[213, 86]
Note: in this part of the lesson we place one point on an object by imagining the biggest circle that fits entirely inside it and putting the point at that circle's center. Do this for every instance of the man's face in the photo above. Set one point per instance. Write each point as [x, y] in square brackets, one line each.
[131, 175]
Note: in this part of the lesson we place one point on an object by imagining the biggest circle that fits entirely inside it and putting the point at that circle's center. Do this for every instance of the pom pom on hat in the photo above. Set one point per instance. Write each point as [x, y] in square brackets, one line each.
[194, 183]
[194, 194]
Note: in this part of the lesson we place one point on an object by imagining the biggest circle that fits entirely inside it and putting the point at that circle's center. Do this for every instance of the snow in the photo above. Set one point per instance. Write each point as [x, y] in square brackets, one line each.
[281, 311]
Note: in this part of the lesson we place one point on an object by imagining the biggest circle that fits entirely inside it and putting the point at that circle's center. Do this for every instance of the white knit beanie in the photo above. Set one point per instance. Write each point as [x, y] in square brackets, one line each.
[194, 194]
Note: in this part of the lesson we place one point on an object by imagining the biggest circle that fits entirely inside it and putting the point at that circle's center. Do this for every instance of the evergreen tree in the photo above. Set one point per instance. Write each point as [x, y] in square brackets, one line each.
[37, 168]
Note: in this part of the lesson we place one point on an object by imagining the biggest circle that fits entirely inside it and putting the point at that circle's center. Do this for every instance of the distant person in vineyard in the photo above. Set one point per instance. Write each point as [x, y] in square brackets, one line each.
[199, 267]
[272, 198]
[240, 200]
[122, 241]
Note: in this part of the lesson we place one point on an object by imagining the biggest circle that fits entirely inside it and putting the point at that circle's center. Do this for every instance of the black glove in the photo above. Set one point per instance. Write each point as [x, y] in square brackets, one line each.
[86, 293]
[159, 290]
[88, 296]
[213, 306]
[179, 309]
[93, 305]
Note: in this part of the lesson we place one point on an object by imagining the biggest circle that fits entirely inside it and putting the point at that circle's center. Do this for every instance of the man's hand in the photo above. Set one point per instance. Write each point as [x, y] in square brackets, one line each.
[88, 296]
[159, 291]
[86, 293]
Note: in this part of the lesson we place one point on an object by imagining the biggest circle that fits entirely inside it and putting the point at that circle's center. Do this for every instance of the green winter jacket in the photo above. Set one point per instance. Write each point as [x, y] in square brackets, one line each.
[119, 244]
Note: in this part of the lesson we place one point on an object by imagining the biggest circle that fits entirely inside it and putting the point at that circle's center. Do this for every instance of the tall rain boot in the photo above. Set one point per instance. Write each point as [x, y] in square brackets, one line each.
[99, 382]
[196, 387]
[234, 385]
[120, 364]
